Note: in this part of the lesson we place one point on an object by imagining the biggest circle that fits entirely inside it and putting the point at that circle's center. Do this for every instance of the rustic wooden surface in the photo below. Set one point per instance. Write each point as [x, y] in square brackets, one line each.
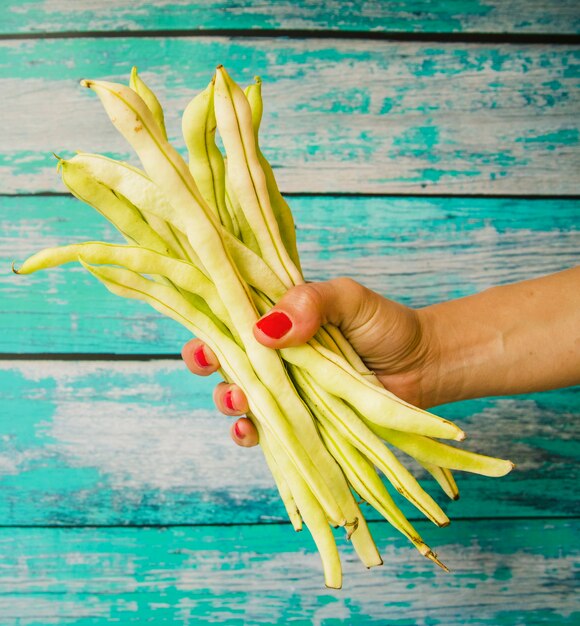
[122, 498]
[372, 16]
[79, 439]
[517, 573]
[467, 244]
[340, 116]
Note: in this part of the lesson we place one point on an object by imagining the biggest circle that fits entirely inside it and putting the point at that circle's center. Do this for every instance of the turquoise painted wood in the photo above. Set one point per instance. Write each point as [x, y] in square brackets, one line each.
[341, 116]
[141, 443]
[132, 443]
[505, 573]
[416, 250]
[430, 16]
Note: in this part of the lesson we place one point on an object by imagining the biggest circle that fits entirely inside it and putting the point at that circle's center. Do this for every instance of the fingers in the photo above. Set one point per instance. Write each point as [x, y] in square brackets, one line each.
[229, 399]
[199, 358]
[244, 433]
[303, 309]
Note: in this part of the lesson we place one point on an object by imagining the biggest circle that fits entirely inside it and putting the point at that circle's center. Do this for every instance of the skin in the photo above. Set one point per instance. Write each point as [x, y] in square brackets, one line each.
[512, 339]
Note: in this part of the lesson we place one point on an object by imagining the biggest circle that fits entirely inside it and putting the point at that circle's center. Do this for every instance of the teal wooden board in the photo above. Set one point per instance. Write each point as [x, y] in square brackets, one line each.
[141, 443]
[518, 16]
[509, 573]
[416, 250]
[341, 115]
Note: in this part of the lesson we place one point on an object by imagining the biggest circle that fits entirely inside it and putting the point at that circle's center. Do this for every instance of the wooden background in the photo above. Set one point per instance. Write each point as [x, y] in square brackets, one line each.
[428, 149]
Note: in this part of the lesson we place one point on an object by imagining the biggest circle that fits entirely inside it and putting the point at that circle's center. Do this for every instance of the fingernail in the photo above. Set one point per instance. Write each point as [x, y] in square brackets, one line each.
[275, 325]
[228, 401]
[238, 432]
[199, 357]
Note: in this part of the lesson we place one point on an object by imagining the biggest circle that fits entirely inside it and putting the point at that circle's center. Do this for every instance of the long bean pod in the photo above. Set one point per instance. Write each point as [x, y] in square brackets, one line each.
[280, 208]
[234, 119]
[206, 162]
[212, 245]
[139, 86]
[427, 450]
[329, 410]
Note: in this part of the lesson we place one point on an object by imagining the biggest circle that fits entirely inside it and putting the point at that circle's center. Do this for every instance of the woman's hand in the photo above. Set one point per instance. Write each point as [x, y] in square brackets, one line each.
[388, 336]
[511, 339]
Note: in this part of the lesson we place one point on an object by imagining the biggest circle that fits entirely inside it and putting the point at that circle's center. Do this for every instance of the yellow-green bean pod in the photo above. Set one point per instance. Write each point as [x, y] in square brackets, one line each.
[140, 87]
[206, 162]
[280, 207]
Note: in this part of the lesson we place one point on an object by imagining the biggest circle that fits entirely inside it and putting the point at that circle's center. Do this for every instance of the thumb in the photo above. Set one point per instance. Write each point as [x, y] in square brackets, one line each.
[303, 309]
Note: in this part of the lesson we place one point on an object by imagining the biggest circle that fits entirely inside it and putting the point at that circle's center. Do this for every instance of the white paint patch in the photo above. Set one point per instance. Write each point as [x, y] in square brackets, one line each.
[9, 464]
[140, 433]
[118, 419]
[315, 150]
[407, 584]
[137, 447]
[68, 373]
[403, 269]
[514, 428]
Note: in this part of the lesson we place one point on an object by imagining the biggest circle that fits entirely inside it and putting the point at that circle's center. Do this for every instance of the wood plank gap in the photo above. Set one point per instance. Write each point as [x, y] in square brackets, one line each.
[457, 37]
[446, 196]
[508, 518]
[354, 194]
[85, 356]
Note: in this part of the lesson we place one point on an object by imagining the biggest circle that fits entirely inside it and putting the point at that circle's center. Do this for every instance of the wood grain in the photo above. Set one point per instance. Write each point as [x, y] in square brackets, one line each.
[131, 444]
[423, 16]
[507, 573]
[141, 443]
[416, 250]
[341, 116]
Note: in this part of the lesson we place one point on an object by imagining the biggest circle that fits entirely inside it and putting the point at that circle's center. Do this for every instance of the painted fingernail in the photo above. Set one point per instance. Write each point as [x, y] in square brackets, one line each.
[275, 325]
[238, 431]
[228, 400]
[199, 357]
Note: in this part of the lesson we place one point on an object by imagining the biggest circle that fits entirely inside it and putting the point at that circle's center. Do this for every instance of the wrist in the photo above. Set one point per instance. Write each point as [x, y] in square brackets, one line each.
[443, 369]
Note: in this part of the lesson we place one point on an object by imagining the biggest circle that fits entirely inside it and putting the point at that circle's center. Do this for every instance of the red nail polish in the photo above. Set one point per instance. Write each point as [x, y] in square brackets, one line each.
[199, 357]
[237, 431]
[228, 401]
[276, 324]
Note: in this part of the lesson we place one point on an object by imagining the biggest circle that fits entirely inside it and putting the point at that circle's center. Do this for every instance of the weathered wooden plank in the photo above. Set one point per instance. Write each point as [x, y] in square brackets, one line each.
[357, 116]
[416, 250]
[141, 443]
[490, 16]
[504, 574]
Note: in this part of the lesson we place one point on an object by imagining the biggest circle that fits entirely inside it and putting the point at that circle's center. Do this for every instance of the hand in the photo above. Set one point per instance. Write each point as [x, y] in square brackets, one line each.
[388, 336]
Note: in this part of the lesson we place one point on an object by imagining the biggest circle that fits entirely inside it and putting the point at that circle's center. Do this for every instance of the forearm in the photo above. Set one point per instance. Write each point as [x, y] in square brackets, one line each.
[506, 340]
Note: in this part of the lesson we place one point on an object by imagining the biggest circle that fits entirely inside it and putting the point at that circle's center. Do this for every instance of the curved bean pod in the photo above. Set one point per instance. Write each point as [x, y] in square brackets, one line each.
[329, 410]
[312, 513]
[141, 191]
[444, 478]
[234, 119]
[140, 87]
[365, 481]
[121, 213]
[168, 170]
[426, 450]
[376, 404]
[280, 207]
[206, 162]
[137, 259]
